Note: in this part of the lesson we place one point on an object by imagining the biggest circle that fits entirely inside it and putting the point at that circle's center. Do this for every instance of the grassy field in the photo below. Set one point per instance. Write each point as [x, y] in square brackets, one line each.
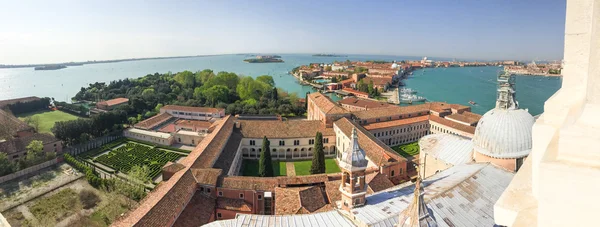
[48, 118]
[303, 167]
[407, 150]
[250, 168]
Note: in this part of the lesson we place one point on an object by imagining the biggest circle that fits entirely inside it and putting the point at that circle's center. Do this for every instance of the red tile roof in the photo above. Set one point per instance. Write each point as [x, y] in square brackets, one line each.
[192, 109]
[363, 103]
[377, 81]
[6, 102]
[250, 183]
[325, 104]
[332, 188]
[206, 176]
[233, 204]
[199, 211]
[113, 102]
[466, 117]
[378, 182]
[273, 129]
[452, 124]
[376, 151]
[392, 110]
[300, 200]
[350, 90]
[194, 123]
[154, 121]
[394, 123]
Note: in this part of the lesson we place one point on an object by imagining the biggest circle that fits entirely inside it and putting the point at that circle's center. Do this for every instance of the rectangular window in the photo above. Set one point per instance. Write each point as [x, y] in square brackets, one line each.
[311, 141]
[296, 142]
[259, 197]
[220, 193]
[252, 142]
[282, 143]
[241, 195]
[377, 120]
[207, 190]
[325, 140]
[219, 215]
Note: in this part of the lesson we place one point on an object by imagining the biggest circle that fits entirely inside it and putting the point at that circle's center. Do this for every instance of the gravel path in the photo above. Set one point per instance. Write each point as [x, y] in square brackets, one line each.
[289, 167]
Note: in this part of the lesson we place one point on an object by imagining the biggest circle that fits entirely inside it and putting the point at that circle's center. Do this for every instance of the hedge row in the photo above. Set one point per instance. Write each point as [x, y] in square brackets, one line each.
[160, 146]
[90, 174]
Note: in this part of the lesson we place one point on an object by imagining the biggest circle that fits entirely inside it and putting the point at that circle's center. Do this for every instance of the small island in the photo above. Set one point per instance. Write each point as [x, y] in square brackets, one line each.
[265, 59]
[329, 55]
[50, 67]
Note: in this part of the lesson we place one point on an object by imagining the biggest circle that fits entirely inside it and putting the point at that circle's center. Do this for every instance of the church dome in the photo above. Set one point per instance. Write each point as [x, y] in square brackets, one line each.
[504, 133]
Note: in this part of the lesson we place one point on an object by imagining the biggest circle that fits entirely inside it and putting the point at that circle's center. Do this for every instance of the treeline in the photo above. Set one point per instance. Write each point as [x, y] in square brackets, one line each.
[237, 94]
[83, 130]
[31, 106]
[72, 108]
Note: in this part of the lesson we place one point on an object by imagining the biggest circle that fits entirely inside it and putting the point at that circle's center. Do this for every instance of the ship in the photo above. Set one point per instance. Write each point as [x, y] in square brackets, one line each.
[407, 91]
[410, 98]
[472, 103]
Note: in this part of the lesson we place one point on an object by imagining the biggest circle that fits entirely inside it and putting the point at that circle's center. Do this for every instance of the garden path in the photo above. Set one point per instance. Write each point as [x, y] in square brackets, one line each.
[290, 169]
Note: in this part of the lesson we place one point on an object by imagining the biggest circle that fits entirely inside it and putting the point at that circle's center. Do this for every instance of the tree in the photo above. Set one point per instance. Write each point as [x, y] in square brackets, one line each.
[266, 79]
[318, 160]
[186, 79]
[6, 166]
[140, 173]
[33, 121]
[158, 107]
[274, 95]
[334, 79]
[328, 68]
[370, 88]
[148, 92]
[34, 154]
[216, 94]
[265, 165]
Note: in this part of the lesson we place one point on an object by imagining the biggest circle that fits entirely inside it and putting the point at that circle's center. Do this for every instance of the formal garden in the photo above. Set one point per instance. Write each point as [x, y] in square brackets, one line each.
[127, 154]
[407, 150]
[301, 168]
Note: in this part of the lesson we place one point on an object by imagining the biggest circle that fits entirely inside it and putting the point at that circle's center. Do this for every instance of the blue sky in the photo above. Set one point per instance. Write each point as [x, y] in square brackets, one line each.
[57, 31]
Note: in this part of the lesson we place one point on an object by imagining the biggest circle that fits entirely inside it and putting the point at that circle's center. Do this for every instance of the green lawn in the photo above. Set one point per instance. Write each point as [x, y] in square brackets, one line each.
[250, 168]
[303, 167]
[48, 118]
[407, 150]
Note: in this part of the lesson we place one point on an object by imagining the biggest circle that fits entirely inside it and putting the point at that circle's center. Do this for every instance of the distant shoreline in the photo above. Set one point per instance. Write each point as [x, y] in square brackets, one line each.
[80, 63]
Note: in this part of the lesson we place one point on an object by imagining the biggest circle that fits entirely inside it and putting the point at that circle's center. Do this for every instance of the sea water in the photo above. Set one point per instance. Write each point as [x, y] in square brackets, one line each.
[453, 85]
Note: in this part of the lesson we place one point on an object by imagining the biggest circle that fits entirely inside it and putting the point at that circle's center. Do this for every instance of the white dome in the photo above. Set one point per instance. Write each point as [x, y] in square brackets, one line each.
[394, 65]
[504, 133]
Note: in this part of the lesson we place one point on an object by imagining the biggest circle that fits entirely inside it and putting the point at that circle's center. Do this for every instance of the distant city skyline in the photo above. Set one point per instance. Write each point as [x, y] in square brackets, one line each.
[38, 32]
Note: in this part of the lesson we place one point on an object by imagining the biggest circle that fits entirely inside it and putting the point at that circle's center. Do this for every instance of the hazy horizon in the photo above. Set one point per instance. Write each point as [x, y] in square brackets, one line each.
[72, 31]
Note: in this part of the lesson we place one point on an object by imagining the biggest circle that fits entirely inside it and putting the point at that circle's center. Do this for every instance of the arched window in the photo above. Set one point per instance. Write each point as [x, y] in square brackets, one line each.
[253, 150]
[288, 150]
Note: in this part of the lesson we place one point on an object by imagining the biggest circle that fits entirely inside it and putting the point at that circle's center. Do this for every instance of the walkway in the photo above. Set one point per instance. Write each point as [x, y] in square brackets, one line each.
[290, 170]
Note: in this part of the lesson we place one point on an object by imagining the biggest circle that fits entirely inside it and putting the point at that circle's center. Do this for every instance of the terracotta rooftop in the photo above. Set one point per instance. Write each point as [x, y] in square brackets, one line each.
[283, 129]
[381, 81]
[452, 124]
[332, 189]
[6, 102]
[466, 117]
[233, 204]
[300, 200]
[350, 90]
[206, 176]
[303, 180]
[113, 102]
[376, 151]
[217, 141]
[441, 107]
[14, 124]
[394, 123]
[392, 110]
[20, 144]
[363, 103]
[250, 183]
[173, 167]
[199, 211]
[192, 109]
[153, 121]
[325, 104]
[378, 182]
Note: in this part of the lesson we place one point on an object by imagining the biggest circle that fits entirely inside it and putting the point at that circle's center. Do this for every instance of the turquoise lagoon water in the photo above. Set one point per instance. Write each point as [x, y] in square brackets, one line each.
[454, 85]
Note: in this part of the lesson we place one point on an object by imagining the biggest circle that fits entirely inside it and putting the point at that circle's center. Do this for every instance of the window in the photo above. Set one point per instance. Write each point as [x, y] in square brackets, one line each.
[282, 143]
[296, 142]
[220, 193]
[15, 156]
[219, 215]
[377, 120]
[325, 140]
[207, 190]
[55, 145]
[241, 195]
[274, 150]
[252, 142]
[311, 141]
[392, 173]
[409, 115]
[259, 197]
[202, 189]
[389, 118]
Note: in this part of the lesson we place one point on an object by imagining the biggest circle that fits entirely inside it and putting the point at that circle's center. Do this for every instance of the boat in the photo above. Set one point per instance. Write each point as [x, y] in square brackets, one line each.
[407, 91]
[472, 103]
[410, 98]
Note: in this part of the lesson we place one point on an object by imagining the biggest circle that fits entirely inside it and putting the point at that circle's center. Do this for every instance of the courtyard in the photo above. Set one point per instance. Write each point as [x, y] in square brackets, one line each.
[408, 150]
[291, 168]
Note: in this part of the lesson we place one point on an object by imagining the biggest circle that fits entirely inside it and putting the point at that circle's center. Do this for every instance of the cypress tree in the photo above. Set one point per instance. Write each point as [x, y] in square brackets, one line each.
[318, 160]
[265, 165]
[274, 95]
